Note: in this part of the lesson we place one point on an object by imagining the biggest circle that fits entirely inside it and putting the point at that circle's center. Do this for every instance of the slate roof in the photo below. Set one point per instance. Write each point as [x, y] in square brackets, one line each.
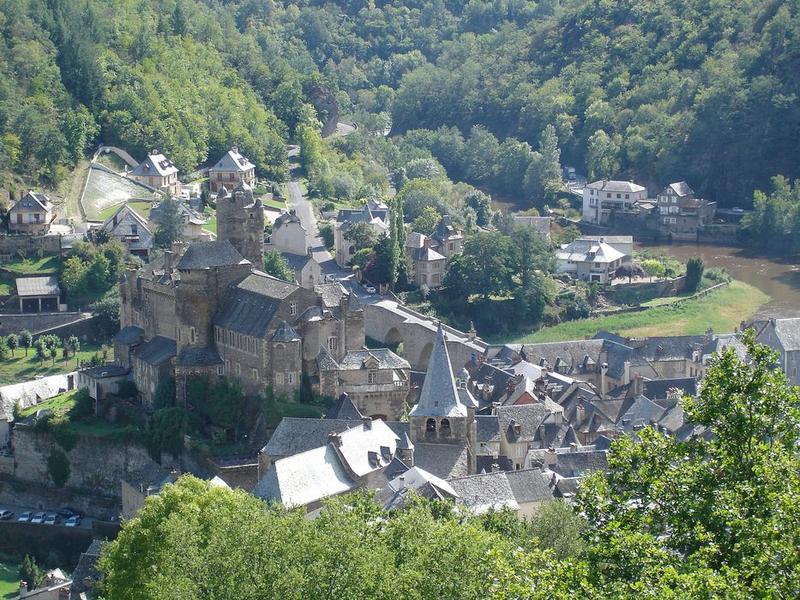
[250, 306]
[445, 230]
[86, 574]
[294, 435]
[331, 293]
[488, 428]
[296, 261]
[657, 389]
[427, 255]
[191, 356]
[483, 492]
[129, 335]
[616, 186]
[233, 161]
[529, 485]
[572, 354]
[38, 286]
[156, 351]
[681, 188]
[589, 251]
[205, 255]
[641, 412]
[154, 164]
[788, 332]
[326, 362]
[386, 359]
[528, 416]
[580, 463]
[106, 371]
[284, 333]
[443, 460]
[285, 218]
[668, 347]
[33, 201]
[439, 397]
[344, 409]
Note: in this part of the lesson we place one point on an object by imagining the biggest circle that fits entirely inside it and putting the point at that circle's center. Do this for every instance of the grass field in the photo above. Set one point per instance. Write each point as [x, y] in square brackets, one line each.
[34, 266]
[721, 310]
[21, 368]
[141, 208]
[9, 581]
[211, 224]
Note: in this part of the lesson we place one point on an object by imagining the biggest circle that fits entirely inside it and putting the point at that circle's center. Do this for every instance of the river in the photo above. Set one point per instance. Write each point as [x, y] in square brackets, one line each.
[778, 279]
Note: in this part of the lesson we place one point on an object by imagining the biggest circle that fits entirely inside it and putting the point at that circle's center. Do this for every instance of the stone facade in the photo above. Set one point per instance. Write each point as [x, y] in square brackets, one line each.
[240, 220]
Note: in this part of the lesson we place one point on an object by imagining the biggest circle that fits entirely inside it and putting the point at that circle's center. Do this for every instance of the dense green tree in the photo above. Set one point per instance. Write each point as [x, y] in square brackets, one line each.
[361, 235]
[26, 339]
[30, 572]
[277, 266]
[426, 221]
[384, 266]
[12, 342]
[170, 223]
[694, 273]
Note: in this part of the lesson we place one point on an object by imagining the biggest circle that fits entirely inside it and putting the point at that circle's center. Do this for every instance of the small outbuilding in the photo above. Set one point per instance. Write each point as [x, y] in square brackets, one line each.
[39, 294]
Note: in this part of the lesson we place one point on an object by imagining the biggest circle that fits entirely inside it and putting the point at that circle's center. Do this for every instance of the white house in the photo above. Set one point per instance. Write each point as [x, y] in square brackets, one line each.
[230, 170]
[376, 215]
[158, 172]
[32, 214]
[590, 260]
[288, 235]
[602, 197]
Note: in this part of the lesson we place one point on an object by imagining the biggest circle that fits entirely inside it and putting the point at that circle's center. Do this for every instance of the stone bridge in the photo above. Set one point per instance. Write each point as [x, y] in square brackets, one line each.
[391, 323]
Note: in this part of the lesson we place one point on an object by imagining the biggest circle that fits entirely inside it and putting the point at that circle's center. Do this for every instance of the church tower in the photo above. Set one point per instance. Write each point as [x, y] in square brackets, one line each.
[440, 416]
[240, 220]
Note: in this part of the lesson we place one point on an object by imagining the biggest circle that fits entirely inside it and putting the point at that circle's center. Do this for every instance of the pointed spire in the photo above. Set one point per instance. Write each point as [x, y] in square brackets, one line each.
[439, 396]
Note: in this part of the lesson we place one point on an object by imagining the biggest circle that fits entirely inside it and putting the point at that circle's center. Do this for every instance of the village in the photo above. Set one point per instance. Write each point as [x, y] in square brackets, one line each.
[322, 382]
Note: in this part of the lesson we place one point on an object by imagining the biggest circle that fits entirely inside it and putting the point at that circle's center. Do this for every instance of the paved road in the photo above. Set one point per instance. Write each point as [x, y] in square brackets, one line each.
[305, 211]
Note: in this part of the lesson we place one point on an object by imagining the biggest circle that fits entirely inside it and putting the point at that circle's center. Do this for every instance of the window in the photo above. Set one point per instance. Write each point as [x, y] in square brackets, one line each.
[450, 246]
[372, 377]
[446, 427]
[192, 335]
[134, 229]
[254, 374]
[238, 369]
[333, 343]
[591, 192]
[430, 426]
[619, 196]
[220, 370]
[608, 195]
[627, 196]
[36, 217]
[278, 378]
[293, 308]
[290, 377]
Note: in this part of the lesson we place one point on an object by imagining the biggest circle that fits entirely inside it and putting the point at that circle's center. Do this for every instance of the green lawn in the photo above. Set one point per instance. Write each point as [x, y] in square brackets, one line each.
[272, 203]
[61, 403]
[112, 161]
[9, 581]
[21, 368]
[34, 266]
[721, 310]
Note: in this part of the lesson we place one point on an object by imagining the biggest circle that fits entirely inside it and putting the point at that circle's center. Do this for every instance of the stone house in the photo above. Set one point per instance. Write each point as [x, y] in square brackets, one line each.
[601, 198]
[137, 487]
[288, 235]
[307, 271]
[783, 336]
[681, 213]
[230, 170]
[375, 214]
[158, 172]
[102, 381]
[425, 265]
[240, 220]
[590, 260]
[376, 381]
[32, 214]
[131, 229]
[151, 362]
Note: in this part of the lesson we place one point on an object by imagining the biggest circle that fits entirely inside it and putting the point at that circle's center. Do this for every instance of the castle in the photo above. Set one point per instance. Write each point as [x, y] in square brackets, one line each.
[208, 309]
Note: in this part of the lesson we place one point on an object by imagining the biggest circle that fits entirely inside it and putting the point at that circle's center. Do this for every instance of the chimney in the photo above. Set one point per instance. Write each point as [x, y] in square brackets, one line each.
[168, 256]
[401, 485]
[335, 438]
[637, 385]
[471, 334]
[495, 406]
[573, 447]
[495, 468]
[603, 382]
[550, 457]
[367, 422]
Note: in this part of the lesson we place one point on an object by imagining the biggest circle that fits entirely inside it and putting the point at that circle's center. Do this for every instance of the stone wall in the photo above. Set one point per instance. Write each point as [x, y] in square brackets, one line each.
[39, 497]
[96, 464]
[41, 322]
[45, 542]
[29, 244]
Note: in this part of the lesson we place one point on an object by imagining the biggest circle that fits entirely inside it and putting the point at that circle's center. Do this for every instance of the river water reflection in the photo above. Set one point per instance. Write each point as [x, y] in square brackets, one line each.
[778, 279]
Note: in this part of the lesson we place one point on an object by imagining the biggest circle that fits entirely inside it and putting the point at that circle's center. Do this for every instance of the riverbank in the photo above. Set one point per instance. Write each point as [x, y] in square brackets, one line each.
[722, 310]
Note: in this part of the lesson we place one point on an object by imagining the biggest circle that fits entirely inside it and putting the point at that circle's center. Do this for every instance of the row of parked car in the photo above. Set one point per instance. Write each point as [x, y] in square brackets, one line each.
[66, 517]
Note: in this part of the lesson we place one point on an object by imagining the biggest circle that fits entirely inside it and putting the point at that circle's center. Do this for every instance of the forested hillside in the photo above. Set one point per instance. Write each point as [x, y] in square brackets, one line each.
[176, 75]
[659, 90]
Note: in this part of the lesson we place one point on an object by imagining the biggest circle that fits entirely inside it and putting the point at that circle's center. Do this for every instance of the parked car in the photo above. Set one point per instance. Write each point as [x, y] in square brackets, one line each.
[24, 517]
[5, 515]
[50, 519]
[37, 517]
[66, 512]
[370, 289]
[73, 521]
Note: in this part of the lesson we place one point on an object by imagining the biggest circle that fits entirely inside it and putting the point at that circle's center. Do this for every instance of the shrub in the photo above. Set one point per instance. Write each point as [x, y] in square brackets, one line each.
[694, 273]
[83, 407]
[58, 468]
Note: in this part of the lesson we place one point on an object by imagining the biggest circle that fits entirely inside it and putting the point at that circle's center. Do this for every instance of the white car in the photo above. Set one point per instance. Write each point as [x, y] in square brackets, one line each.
[37, 517]
[24, 517]
[73, 521]
[50, 519]
[5, 515]
[370, 289]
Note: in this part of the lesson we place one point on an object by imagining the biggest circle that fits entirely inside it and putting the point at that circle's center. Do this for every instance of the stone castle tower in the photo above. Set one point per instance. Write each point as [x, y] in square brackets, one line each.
[240, 220]
[440, 416]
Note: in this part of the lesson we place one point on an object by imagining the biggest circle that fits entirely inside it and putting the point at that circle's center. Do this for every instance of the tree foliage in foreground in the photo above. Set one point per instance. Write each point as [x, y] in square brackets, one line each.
[714, 517]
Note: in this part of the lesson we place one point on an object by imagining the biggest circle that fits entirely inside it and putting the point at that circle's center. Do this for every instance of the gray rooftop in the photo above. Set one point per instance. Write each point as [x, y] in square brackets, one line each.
[788, 332]
[250, 306]
[129, 335]
[155, 165]
[157, 351]
[284, 333]
[528, 417]
[442, 460]
[382, 357]
[38, 286]
[439, 396]
[191, 356]
[484, 492]
[233, 161]
[344, 409]
[206, 255]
